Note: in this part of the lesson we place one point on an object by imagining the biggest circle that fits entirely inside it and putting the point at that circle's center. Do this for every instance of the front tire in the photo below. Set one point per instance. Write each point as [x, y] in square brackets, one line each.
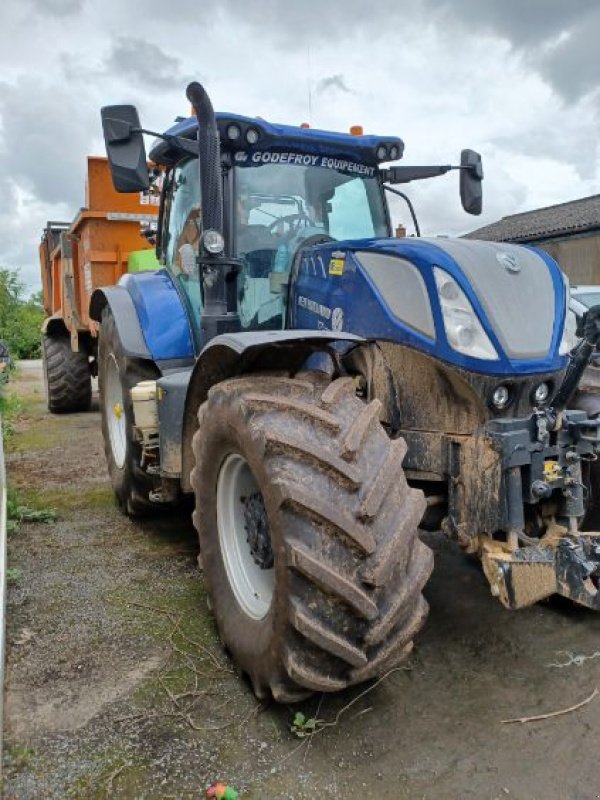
[67, 376]
[296, 479]
[117, 374]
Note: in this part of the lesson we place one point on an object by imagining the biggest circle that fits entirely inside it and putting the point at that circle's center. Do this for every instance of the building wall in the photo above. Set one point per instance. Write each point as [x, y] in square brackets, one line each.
[578, 256]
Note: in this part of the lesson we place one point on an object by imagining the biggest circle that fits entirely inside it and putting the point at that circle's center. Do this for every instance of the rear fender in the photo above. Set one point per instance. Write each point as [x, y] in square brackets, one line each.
[55, 326]
[241, 353]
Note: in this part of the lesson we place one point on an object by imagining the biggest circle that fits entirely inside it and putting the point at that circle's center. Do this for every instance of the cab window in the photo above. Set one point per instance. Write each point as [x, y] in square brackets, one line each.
[182, 236]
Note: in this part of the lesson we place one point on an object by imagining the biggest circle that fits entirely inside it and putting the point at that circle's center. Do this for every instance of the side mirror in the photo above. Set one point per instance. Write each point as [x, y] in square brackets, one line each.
[125, 148]
[471, 175]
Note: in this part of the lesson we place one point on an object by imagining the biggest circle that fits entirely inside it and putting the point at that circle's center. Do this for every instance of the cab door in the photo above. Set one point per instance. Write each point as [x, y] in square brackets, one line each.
[180, 236]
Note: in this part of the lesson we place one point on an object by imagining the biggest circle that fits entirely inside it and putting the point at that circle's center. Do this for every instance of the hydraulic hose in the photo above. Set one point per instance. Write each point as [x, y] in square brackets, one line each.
[589, 330]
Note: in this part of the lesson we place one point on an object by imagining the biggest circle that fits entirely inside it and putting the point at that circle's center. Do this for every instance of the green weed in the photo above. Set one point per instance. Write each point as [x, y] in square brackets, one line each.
[304, 726]
[13, 575]
[19, 757]
[17, 512]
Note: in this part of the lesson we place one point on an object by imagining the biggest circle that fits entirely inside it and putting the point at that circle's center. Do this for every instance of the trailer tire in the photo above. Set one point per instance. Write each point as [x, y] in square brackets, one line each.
[343, 599]
[117, 374]
[67, 376]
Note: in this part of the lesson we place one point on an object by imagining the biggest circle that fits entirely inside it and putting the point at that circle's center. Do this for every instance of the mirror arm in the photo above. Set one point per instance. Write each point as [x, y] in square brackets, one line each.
[186, 145]
[409, 204]
[407, 174]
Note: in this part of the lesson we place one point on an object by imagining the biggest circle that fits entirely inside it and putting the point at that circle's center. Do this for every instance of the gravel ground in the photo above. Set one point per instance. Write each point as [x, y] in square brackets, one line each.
[116, 685]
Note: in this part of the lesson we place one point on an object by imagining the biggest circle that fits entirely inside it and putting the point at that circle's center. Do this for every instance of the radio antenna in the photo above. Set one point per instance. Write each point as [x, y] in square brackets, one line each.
[309, 84]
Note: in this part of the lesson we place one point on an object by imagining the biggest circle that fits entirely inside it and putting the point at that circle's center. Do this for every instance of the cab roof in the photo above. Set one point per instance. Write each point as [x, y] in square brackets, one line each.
[274, 137]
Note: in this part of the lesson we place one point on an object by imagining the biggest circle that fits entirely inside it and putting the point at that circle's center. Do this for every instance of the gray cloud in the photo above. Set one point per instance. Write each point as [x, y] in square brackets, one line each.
[557, 39]
[145, 63]
[531, 27]
[333, 83]
[45, 137]
[58, 8]
[523, 23]
[577, 146]
[572, 64]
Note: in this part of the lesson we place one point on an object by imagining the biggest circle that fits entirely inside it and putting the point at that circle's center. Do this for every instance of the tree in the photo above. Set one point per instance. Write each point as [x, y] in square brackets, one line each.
[20, 318]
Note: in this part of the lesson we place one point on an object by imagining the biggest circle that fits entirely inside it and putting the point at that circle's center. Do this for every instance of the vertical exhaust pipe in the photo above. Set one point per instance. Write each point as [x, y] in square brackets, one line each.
[218, 274]
[209, 157]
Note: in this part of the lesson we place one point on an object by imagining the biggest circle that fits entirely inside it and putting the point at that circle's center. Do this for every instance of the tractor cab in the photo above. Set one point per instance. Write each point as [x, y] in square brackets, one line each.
[284, 187]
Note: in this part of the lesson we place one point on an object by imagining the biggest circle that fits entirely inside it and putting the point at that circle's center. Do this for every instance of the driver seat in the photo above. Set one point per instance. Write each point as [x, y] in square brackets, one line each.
[257, 247]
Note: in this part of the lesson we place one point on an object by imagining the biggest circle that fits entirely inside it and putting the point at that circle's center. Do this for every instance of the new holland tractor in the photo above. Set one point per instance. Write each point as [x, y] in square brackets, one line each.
[325, 390]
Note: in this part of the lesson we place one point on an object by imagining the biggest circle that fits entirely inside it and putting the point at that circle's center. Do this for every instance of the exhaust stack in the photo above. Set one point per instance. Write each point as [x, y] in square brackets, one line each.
[218, 273]
[209, 157]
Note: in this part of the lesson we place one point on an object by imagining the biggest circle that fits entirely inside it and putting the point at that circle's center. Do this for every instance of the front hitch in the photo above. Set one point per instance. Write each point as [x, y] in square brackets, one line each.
[568, 566]
[542, 463]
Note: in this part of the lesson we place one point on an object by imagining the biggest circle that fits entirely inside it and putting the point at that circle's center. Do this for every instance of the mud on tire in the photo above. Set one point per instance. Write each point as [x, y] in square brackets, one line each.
[67, 376]
[131, 484]
[349, 567]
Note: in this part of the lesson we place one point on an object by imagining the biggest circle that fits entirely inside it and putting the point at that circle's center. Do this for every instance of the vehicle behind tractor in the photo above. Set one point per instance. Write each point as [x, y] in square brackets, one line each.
[102, 243]
[324, 390]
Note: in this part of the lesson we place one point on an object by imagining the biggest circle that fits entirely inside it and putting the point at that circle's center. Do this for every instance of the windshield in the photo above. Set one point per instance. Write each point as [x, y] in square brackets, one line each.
[284, 204]
[279, 206]
[589, 299]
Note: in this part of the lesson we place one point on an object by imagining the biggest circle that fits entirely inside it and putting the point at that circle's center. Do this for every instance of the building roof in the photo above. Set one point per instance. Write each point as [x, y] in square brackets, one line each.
[576, 216]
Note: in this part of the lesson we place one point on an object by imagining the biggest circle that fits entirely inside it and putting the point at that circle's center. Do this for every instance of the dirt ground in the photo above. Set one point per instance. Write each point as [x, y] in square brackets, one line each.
[116, 684]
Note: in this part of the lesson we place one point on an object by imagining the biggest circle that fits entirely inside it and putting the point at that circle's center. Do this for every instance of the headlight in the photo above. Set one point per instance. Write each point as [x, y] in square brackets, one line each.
[213, 242]
[233, 132]
[500, 397]
[541, 394]
[252, 136]
[394, 153]
[464, 331]
[381, 153]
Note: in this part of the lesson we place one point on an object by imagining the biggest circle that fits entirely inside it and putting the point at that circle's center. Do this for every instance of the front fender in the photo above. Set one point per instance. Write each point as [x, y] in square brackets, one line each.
[118, 299]
[234, 354]
[151, 317]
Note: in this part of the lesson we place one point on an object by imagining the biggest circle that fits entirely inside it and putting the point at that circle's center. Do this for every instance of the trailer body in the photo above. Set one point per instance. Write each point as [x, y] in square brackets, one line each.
[97, 248]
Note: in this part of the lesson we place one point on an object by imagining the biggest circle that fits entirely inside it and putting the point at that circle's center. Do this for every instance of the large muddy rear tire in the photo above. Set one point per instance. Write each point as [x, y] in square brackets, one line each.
[117, 374]
[67, 376]
[308, 534]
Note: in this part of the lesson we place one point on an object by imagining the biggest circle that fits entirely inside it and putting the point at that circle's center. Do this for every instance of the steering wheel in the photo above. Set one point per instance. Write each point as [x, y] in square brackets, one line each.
[293, 222]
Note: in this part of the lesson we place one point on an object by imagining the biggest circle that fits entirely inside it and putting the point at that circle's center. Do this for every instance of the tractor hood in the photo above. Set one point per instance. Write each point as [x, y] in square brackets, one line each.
[491, 308]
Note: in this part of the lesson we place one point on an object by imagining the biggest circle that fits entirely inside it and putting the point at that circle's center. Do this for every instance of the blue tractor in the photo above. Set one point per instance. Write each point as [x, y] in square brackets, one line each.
[324, 391]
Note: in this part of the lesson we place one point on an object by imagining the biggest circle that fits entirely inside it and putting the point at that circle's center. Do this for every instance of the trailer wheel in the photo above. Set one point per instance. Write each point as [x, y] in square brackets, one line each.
[308, 533]
[117, 374]
[67, 376]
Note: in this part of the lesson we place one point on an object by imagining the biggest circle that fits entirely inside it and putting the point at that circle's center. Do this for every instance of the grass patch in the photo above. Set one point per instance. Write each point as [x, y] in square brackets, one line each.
[38, 436]
[10, 409]
[67, 499]
[116, 774]
[13, 575]
[18, 757]
[151, 608]
[196, 682]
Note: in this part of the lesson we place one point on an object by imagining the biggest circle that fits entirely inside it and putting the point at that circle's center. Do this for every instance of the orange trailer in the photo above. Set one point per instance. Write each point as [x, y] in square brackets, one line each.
[104, 241]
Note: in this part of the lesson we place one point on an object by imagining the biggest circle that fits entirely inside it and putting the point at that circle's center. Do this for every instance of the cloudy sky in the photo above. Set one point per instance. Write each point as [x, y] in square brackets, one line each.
[518, 80]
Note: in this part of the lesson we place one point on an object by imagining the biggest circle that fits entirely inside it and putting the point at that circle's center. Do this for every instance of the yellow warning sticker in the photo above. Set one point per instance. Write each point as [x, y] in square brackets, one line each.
[336, 266]
[551, 471]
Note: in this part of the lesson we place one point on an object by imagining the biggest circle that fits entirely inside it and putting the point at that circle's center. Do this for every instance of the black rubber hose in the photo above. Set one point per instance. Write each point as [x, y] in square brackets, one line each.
[579, 362]
[589, 329]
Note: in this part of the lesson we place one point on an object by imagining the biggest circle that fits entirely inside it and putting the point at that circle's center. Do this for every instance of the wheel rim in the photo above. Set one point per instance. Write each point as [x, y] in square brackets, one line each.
[115, 412]
[252, 585]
